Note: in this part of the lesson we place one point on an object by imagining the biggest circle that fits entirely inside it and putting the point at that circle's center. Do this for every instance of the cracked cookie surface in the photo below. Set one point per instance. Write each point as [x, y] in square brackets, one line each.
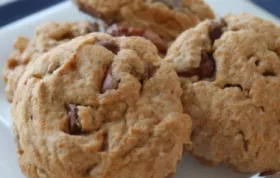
[167, 18]
[47, 36]
[100, 106]
[230, 74]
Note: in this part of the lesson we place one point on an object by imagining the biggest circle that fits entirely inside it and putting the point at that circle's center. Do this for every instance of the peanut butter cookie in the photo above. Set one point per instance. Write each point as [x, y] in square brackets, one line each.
[167, 18]
[230, 74]
[100, 107]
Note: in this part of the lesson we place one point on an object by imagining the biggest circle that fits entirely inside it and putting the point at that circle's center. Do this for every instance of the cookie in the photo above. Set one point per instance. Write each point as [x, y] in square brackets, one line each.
[167, 18]
[100, 106]
[47, 36]
[230, 74]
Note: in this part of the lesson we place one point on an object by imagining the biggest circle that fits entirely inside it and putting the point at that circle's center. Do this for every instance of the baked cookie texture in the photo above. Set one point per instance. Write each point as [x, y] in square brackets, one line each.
[46, 37]
[100, 106]
[230, 74]
[167, 18]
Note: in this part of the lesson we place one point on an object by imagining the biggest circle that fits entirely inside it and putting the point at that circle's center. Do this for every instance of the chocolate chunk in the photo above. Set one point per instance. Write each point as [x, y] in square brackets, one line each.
[115, 30]
[257, 62]
[216, 30]
[207, 65]
[109, 83]
[189, 73]
[110, 46]
[89, 10]
[105, 144]
[267, 173]
[159, 42]
[150, 70]
[66, 36]
[269, 74]
[206, 68]
[73, 121]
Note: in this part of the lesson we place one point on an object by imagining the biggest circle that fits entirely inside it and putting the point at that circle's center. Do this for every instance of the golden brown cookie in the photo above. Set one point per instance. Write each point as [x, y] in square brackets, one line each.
[100, 106]
[230, 74]
[46, 37]
[167, 18]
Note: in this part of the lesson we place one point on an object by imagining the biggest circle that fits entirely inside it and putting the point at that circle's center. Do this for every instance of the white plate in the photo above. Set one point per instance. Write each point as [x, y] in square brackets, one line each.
[67, 12]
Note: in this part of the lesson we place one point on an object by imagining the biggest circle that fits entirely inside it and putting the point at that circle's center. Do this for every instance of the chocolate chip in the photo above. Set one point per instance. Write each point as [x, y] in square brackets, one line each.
[105, 144]
[89, 10]
[110, 46]
[66, 36]
[206, 68]
[150, 70]
[267, 173]
[207, 65]
[216, 30]
[257, 62]
[269, 74]
[161, 44]
[73, 121]
[234, 85]
[109, 83]
[156, 39]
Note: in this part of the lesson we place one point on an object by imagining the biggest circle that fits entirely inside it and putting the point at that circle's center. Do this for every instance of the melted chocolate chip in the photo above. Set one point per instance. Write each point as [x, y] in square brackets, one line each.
[89, 10]
[216, 30]
[109, 83]
[110, 46]
[206, 68]
[150, 70]
[257, 62]
[73, 121]
[158, 41]
[269, 74]
[66, 36]
[161, 45]
[105, 144]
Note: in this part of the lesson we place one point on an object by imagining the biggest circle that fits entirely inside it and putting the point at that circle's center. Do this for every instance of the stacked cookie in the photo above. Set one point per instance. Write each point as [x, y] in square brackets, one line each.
[124, 103]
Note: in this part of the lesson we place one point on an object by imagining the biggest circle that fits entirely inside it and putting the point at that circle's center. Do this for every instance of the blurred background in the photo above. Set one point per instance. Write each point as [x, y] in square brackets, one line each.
[11, 10]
